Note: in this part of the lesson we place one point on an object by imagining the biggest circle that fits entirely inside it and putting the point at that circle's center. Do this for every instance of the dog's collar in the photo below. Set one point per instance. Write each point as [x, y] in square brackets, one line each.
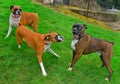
[15, 16]
[47, 43]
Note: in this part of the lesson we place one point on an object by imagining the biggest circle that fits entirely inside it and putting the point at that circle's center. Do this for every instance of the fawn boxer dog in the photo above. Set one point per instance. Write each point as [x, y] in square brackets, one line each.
[39, 42]
[82, 43]
[25, 18]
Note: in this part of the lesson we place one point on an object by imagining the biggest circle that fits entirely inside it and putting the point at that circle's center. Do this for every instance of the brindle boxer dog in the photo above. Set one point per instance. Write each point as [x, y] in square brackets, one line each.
[82, 43]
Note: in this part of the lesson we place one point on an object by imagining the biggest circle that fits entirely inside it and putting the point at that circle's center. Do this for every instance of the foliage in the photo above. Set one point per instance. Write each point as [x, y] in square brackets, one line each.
[109, 3]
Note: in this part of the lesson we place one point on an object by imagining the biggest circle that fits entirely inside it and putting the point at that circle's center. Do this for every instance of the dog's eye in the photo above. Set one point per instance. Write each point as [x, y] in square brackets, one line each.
[20, 9]
[80, 28]
[15, 9]
[75, 28]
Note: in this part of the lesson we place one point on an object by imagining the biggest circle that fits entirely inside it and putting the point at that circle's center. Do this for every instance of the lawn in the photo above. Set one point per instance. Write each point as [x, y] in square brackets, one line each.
[20, 66]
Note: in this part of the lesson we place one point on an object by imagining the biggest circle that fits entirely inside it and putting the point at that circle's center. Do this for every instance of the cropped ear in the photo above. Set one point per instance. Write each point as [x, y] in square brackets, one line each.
[11, 7]
[47, 37]
[84, 25]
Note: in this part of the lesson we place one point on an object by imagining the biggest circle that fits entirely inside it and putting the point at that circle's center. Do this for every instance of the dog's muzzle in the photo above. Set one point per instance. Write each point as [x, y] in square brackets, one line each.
[59, 38]
[76, 33]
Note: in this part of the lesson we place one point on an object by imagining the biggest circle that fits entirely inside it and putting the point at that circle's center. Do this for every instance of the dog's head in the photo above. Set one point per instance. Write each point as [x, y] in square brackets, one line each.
[54, 37]
[16, 11]
[78, 30]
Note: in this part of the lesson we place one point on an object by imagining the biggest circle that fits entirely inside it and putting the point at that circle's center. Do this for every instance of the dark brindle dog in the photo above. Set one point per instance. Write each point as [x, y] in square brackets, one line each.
[82, 43]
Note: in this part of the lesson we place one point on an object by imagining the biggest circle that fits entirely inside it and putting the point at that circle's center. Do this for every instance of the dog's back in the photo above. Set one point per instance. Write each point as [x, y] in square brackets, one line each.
[23, 32]
[32, 18]
[96, 44]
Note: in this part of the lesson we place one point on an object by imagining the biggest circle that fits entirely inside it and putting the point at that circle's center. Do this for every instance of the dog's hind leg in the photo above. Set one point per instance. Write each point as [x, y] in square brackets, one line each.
[107, 64]
[35, 24]
[52, 52]
[101, 57]
[9, 31]
[110, 71]
[19, 40]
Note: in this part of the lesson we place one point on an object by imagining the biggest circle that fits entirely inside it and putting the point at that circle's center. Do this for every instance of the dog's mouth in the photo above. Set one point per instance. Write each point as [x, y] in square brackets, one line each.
[15, 16]
[76, 36]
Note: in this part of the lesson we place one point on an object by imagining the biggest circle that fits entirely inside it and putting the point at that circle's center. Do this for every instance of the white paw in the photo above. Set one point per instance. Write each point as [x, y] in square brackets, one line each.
[69, 69]
[19, 46]
[58, 56]
[106, 79]
[44, 74]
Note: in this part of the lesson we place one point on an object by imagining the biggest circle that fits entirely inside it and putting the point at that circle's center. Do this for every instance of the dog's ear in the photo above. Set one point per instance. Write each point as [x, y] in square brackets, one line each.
[47, 37]
[11, 7]
[84, 25]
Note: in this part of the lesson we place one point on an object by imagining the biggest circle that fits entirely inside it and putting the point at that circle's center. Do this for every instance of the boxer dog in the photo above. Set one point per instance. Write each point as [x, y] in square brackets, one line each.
[25, 18]
[82, 43]
[39, 42]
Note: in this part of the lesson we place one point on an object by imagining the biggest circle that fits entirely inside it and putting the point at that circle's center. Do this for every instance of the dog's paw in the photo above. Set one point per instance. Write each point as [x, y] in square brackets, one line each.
[69, 69]
[107, 79]
[19, 46]
[44, 74]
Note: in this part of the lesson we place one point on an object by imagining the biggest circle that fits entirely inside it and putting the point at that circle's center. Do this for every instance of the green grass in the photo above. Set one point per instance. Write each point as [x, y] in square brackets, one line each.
[20, 66]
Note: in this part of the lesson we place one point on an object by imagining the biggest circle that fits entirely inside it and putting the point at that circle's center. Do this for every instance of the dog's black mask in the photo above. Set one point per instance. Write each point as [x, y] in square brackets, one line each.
[17, 11]
[78, 30]
[58, 38]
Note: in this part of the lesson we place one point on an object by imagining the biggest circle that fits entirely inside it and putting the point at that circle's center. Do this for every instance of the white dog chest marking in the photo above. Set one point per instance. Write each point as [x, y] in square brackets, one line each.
[14, 21]
[73, 43]
[46, 47]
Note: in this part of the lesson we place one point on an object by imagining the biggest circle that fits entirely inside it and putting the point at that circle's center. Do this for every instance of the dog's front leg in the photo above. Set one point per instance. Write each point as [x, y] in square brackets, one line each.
[52, 52]
[9, 31]
[41, 63]
[75, 58]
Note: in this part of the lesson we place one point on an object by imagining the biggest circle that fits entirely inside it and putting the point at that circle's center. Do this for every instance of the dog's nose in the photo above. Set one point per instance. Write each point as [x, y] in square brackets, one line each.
[19, 12]
[59, 38]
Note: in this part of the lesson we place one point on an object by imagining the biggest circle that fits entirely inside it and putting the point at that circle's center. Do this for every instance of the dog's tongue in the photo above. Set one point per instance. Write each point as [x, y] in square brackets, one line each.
[16, 16]
[76, 35]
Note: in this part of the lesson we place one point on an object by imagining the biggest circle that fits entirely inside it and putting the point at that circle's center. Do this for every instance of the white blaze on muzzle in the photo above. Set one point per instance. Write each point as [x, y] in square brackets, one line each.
[59, 38]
